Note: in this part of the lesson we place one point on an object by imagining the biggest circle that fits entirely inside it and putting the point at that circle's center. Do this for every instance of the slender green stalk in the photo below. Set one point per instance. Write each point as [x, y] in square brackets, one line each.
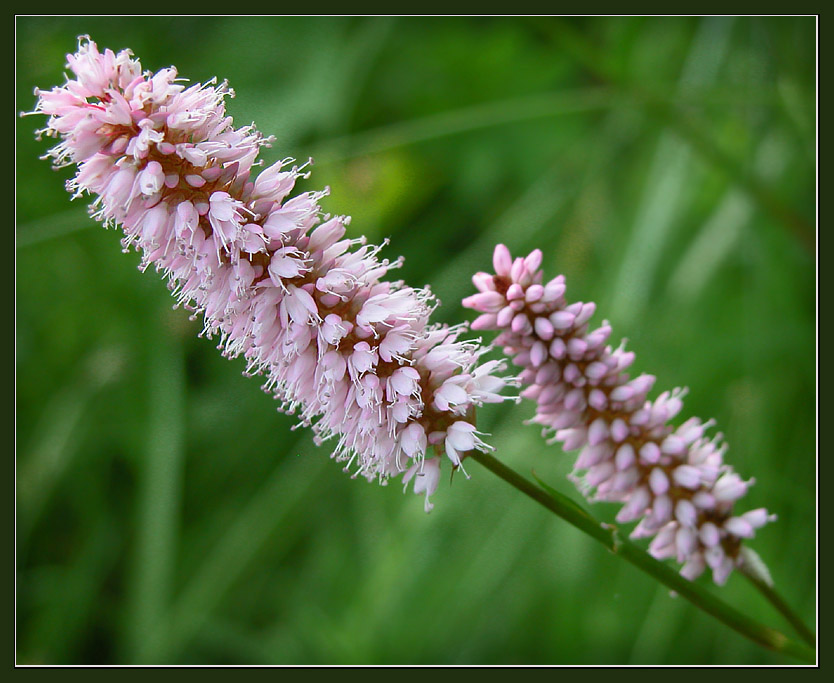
[783, 608]
[609, 535]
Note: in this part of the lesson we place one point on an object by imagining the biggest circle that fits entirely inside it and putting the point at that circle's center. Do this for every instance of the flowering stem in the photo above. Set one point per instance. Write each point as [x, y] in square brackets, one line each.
[609, 535]
[782, 607]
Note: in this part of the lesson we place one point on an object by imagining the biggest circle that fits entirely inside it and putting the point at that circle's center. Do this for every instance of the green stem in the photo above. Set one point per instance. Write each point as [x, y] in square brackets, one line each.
[782, 607]
[610, 537]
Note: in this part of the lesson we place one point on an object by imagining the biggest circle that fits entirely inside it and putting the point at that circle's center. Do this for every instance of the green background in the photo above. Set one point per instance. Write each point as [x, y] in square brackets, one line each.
[167, 513]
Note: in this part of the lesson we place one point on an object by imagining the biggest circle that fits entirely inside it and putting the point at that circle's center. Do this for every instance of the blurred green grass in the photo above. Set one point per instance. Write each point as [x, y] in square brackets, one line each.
[166, 513]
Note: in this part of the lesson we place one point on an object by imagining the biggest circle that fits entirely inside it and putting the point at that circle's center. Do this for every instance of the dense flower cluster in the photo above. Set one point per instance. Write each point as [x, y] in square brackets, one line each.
[672, 479]
[274, 278]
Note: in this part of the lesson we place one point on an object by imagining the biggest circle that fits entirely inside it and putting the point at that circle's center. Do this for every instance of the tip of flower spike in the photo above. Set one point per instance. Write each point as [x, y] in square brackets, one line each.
[502, 260]
[753, 565]
[575, 377]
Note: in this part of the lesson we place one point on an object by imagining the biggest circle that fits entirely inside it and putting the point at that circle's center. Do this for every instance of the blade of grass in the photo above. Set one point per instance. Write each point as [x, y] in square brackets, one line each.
[666, 183]
[687, 126]
[52, 227]
[225, 636]
[319, 96]
[463, 120]
[268, 511]
[159, 498]
[69, 594]
[657, 630]
[355, 62]
[717, 237]
[54, 447]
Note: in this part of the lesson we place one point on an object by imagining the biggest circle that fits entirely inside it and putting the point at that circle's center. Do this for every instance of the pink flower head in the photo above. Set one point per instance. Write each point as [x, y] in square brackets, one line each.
[274, 278]
[673, 480]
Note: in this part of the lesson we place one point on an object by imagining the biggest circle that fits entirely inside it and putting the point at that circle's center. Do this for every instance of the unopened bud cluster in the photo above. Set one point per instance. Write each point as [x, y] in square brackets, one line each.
[672, 479]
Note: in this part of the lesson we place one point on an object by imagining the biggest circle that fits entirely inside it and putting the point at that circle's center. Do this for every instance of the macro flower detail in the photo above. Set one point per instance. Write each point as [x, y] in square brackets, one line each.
[672, 479]
[274, 278]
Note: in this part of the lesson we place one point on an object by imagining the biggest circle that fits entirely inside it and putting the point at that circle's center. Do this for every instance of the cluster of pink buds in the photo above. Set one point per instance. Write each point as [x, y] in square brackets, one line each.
[672, 479]
[273, 277]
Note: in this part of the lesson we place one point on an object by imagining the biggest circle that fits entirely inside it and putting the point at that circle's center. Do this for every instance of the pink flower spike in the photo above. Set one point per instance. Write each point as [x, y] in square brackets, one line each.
[413, 441]
[619, 430]
[544, 328]
[485, 302]
[597, 432]
[738, 526]
[553, 290]
[562, 320]
[426, 474]
[501, 260]
[650, 453]
[658, 481]
[635, 507]
[462, 436]
[758, 517]
[686, 513]
[505, 317]
[533, 260]
[514, 291]
[694, 567]
[625, 457]
[488, 321]
[673, 445]
[709, 534]
[273, 277]
[483, 282]
[687, 476]
[628, 453]
[730, 487]
[558, 349]
[533, 293]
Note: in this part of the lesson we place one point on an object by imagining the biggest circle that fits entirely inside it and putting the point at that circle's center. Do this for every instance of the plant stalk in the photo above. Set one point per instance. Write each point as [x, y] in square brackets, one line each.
[609, 535]
[782, 607]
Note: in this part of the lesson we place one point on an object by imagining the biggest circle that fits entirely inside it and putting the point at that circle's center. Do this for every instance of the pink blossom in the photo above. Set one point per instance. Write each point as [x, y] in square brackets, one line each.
[673, 480]
[354, 356]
